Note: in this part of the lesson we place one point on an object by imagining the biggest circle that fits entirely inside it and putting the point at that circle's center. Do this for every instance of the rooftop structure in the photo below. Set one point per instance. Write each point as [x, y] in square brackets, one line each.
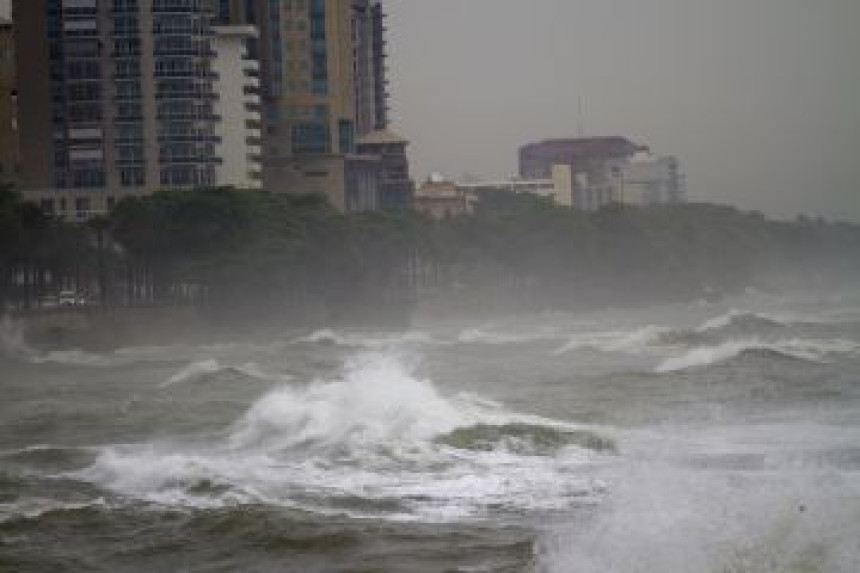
[537, 159]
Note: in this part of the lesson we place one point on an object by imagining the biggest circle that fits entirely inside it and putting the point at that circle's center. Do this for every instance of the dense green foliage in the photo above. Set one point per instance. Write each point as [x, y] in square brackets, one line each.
[235, 249]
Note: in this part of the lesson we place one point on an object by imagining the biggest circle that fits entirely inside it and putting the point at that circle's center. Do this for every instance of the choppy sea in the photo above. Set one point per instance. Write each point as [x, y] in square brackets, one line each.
[703, 438]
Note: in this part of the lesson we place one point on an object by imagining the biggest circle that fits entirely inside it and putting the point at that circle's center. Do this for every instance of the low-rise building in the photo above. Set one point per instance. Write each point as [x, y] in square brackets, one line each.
[396, 188]
[650, 179]
[540, 187]
[440, 198]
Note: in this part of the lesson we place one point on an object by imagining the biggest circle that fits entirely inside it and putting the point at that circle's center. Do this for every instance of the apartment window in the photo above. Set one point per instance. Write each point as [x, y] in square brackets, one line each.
[127, 68]
[126, 26]
[129, 111]
[310, 137]
[181, 175]
[82, 49]
[47, 206]
[83, 70]
[84, 178]
[346, 132]
[132, 177]
[128, 90]
[127, 47]
[84, 92]
[130, 154]
[129, 132]
[125, 5]
[85, 113]
[82, 207]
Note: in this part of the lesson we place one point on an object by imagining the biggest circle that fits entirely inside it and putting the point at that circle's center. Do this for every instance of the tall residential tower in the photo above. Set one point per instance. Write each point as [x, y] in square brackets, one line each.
[323, 87]
[117, 98]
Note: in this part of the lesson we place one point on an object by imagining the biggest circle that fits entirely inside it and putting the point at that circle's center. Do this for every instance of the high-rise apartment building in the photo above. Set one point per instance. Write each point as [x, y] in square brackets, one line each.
[323, 87]
[117, 99]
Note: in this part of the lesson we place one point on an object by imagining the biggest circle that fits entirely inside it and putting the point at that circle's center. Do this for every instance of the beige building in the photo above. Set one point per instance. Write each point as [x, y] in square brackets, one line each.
[442, 199]
[323, 88]
[307, 53]
[237, 84]
[9, 145]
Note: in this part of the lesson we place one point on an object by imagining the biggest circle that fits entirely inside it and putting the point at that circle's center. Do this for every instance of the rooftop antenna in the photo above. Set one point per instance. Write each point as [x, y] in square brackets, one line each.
[580, 124]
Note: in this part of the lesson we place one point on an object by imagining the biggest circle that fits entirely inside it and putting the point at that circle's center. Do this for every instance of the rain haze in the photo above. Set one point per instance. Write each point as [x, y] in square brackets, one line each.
[758, 99]
[242, 327]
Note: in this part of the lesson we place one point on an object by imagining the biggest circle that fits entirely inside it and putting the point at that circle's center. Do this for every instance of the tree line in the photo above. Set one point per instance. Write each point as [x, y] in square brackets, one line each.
[238, 251]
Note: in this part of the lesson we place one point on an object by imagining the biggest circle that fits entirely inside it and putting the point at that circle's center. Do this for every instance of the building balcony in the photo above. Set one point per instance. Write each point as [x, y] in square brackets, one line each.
[194, 96]
[188, 138]
[189, 160]
[130, 161]
[188, 117]
[186, 52]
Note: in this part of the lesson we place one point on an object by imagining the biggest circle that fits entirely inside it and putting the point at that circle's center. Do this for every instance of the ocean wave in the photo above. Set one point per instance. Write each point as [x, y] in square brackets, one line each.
[796, 349]
[491, 337]
[645, 340]
[34, 508]
[377, 433]
[749, 321]
[370, 341]
[525, 439]
[204, 368]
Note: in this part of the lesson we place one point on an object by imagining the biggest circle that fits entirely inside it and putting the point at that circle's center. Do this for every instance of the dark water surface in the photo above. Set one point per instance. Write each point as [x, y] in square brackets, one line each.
[699, 438]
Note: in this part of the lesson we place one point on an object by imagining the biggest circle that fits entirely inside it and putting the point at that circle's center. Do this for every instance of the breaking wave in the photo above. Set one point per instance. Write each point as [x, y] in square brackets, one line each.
[796, 349]
[377, 441]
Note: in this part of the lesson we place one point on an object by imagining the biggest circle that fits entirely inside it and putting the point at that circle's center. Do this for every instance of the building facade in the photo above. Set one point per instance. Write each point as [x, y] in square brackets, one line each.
[118, 99]
[652, 179]
[395, 187]
[590, 173]
[323, 88]
[237, 83]
[9, 146]
[440, 199]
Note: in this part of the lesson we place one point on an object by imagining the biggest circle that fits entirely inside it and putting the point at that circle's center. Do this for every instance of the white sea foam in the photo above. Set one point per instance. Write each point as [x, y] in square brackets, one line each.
[661, 519]
[371, 435]
[800, 349]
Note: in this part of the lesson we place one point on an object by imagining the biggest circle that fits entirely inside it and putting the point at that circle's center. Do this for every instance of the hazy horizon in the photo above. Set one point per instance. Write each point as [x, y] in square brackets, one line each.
[757, 99]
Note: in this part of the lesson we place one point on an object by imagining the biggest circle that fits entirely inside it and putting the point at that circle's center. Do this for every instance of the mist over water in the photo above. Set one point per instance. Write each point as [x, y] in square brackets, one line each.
[703, 438]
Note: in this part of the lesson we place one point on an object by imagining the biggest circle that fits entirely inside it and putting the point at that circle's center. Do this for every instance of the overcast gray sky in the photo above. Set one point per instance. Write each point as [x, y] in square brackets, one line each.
[759, 98]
